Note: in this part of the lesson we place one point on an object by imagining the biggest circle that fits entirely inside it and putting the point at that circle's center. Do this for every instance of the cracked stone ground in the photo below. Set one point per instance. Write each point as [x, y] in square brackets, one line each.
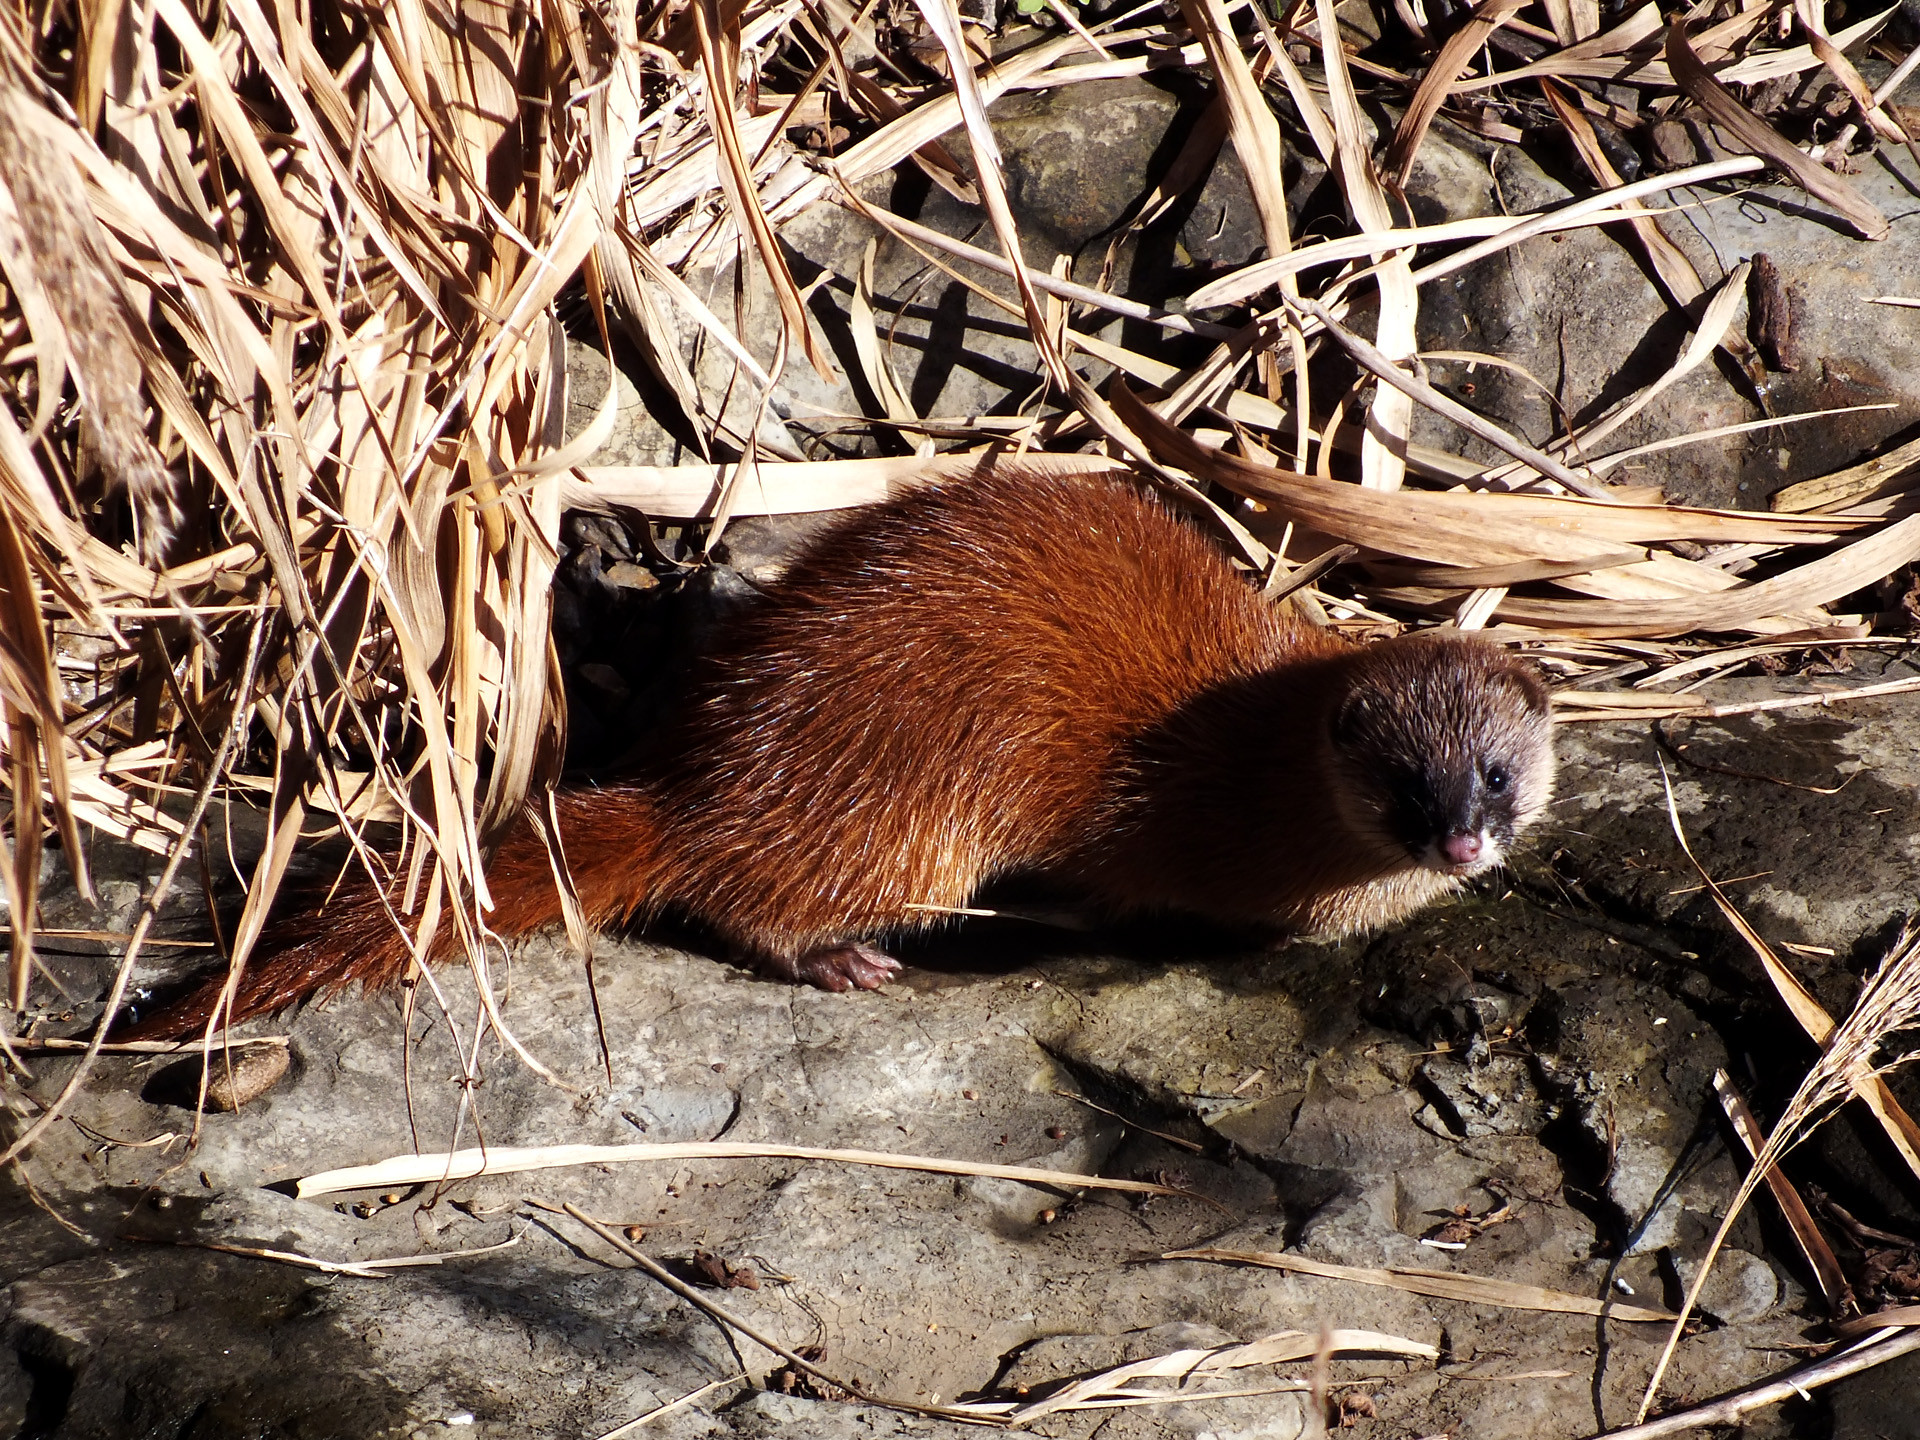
[1541, 1051]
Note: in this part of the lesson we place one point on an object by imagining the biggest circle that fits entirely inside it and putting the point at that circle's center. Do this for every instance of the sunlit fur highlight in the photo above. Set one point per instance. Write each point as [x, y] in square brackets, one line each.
[999, 676]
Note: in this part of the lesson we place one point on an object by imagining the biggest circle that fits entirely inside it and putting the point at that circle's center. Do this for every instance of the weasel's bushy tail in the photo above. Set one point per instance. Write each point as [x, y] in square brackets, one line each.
[317, 951]
[352, 937]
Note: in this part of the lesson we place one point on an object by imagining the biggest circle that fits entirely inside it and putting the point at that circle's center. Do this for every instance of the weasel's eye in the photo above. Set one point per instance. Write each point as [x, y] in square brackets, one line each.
[1496, 778]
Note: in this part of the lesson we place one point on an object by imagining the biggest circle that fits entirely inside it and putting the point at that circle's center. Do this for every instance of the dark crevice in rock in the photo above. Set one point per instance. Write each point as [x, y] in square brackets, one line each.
[1583, 1159]
[1302, 1193]
[1442, 1104]
[1136, 1107]
[51, 1393]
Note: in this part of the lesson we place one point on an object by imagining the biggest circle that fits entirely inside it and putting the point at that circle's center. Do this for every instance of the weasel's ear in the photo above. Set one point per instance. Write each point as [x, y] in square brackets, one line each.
[1528, 679]
[1356, 714]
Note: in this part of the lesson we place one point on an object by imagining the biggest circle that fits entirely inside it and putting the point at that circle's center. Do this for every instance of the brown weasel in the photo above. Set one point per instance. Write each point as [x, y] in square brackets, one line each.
[1002, 676]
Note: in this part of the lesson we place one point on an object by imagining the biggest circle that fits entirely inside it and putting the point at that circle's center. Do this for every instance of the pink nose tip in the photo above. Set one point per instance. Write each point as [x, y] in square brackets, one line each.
[1460, 849]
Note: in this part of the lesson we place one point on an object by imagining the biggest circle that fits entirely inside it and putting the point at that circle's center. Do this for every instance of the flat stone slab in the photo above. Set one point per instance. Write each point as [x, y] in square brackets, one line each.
[1524, 1074]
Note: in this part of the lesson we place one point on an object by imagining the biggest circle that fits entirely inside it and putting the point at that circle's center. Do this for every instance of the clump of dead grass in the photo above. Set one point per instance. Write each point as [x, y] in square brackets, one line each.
[288, 287]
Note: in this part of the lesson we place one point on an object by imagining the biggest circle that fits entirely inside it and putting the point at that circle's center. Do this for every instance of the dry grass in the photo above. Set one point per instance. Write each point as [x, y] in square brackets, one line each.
[282, 462]
[1853, 1064]
[408, 1170]
[290, 290]
[1441, 1284]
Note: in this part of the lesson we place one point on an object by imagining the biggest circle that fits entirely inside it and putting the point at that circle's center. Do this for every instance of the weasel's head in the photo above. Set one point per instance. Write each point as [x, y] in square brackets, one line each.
[1443, 749]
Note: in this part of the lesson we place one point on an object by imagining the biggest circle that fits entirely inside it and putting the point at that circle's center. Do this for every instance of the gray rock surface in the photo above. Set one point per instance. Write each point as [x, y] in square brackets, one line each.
[1539, 1054]
[1580, 313]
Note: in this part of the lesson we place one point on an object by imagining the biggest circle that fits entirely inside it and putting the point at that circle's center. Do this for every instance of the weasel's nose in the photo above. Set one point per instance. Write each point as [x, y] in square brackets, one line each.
[1461, 849]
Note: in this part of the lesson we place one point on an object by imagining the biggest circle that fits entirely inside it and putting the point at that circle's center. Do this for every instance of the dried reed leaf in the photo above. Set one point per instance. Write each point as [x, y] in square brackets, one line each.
[1901, 1129]
[933, 158]
[892, 143]
[614, 115]
[1190, 167]
[1716, 321]
[1658, 576]
[528, 737]
[254, 24]
[1306, 102]
[682, 294]
[1474, 577]
[1883, 1345]
[1577, 62]
[20, 871]
[372, 374]
[1888, 474]
[514, 1160]
[1677, 275]
[1880, 1322]
[1383, 448]
[866, 344]
[1786, 595]
[1241, 405]
[1464, 529]
[920, 235]
[1440, 1284]
[1410, 388]
[1256, 138]
[690, 175]
[1574, 705]
[1697, 83]
[1448, 66]
[379, 1269]
[687, 492]
[293, 231]
[1105, 1387]
[720, 59]
[1806, 1234]
[943, 19]
[60, 240]
[1812, 17]
[35, 723]
[1250, 123]
[1491, 528]
[30, 501]
[1493, 233]
[1889, 1001]
[30, 683]
[1613, 459]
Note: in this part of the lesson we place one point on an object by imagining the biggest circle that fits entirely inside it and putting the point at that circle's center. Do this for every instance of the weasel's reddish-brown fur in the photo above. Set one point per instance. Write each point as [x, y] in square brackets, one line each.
[1000, 676]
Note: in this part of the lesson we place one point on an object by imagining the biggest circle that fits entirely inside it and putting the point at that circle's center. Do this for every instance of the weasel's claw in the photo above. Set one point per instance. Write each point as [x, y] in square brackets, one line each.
[852, 966]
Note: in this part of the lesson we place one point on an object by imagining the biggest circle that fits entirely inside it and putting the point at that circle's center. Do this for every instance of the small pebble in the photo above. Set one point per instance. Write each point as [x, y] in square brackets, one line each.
[240, 1076]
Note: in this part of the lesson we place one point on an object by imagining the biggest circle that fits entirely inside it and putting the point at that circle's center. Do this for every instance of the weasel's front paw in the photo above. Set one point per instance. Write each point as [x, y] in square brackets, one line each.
[852, 966]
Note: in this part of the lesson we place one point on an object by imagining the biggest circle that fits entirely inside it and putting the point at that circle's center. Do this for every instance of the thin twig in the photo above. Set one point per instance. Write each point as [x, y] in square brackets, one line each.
[660, 1412]
[1641, 710]
[53, 1045]
[733, 1322]
[1731, 1409]
[1372, 360]
[1051, 284]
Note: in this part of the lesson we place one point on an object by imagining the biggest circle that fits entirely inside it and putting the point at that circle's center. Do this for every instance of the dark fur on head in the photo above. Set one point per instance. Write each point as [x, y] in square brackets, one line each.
[1446, 744]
